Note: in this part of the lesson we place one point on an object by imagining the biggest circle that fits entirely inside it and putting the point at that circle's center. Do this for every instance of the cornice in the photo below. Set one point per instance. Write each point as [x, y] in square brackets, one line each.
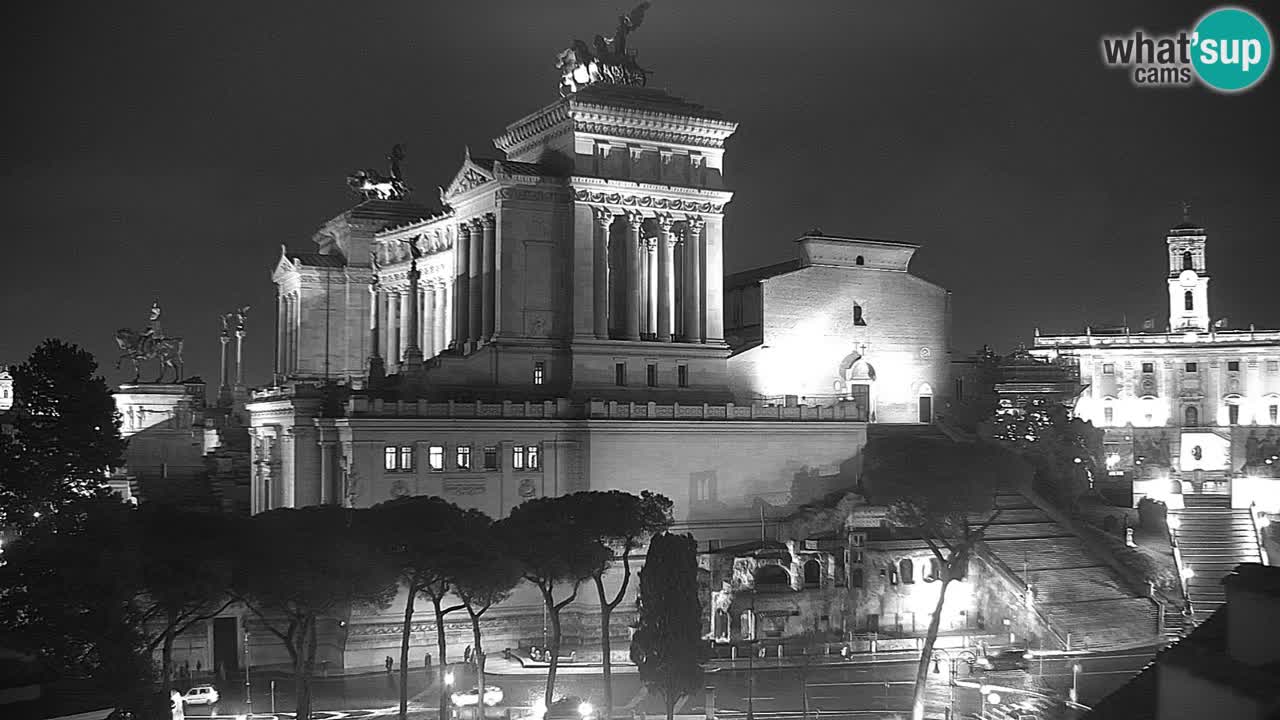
[645, 196]
[532, 126]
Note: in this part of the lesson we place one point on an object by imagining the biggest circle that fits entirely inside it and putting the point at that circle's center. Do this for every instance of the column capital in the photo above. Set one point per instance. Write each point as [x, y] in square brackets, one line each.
[695, 222]
[665, 221]
[603, 216]
[635, 219]
[489, 220]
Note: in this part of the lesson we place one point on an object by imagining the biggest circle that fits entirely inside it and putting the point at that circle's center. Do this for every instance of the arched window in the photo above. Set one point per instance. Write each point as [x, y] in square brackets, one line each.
[857, 315]
[932, 570]
[1188, 263]
[1191, 416]
[812, 574]
[1188, 301]
[859, 261]
[772, 576]
[907, 570]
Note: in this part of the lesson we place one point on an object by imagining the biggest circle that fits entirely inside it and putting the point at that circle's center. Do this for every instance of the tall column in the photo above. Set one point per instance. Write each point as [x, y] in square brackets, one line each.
[282, 325]
[634, 221]
[240, 333]
[428, 305]
[412, 320]
[461, 287]
[475, 282]
[393, 329]
[387, 299]
[224, 389]
[446, 312]
[374, 299]
[693, 286]
[600, 275]
[713, 281]
[651, 286]
[292, 363]
[666, 277]
[489, 272]
[435, 301]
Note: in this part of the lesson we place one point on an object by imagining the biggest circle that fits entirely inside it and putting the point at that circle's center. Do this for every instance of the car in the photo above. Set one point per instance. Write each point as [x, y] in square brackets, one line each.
[570, 708]
[464, 698]
[200, 695]
[1006, 660]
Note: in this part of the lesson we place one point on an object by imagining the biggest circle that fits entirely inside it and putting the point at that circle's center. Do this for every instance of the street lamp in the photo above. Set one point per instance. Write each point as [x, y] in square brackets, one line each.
[1075, 676]
[248, 699]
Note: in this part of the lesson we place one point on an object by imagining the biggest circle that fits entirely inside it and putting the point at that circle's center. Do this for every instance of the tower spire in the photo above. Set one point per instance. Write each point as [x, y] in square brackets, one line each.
[1186, 212]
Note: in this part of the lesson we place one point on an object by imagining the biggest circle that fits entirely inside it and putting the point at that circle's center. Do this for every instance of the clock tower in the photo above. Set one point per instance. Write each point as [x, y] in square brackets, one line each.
[1188, 278]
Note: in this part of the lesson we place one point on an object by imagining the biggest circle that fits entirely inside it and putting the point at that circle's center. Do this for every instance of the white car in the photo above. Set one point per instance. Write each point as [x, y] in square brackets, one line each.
[200, 695]
[492, 696]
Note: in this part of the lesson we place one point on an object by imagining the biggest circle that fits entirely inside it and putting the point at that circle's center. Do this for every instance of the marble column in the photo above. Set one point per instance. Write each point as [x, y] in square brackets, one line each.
[438, 316]
[375, 298]
[393, 329]
[293, 333]
[651, 287]
[693, 285]
[475, 283]
[489, 275]
[447, 293]
[428, 305]
[600, 273]
[632, 319]
[713, 280]
[240, 333]
[282, 327]
[413, 319]
[666, 277]
[461, 287]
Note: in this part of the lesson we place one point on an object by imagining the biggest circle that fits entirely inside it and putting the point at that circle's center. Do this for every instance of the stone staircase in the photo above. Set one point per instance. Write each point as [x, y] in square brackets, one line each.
[1077, 591]
[1213, 538]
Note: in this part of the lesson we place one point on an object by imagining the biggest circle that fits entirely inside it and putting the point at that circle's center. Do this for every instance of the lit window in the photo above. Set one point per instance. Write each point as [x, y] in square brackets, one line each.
[533, 457]
[525, 457]
[857, 316]
[651, 375]
[406, 458]
[620, 374]
[908, 571]
[491, 458]
[1274, 413]
[1188, 302]
[517, 457]
[1233, 365]
[435, 457]
[539, 372]
[1233, 414]
[682, 375]
[1148, 367]
[463, 457]
[1192, 367]
[389, 458]
[1108, 415]
[1108, 369]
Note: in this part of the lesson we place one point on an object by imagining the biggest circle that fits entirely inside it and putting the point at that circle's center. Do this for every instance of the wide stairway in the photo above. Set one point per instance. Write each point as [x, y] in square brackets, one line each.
[1213, 539]
[1077, 591]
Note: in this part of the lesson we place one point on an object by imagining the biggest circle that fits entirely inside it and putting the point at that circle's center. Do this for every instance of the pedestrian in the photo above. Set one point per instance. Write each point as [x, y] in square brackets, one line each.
[466, 655]
[390, 664]
[426, 661]
[199, 670]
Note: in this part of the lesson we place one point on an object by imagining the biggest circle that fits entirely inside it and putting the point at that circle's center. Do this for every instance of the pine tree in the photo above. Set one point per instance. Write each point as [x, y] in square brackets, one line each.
[667, 642]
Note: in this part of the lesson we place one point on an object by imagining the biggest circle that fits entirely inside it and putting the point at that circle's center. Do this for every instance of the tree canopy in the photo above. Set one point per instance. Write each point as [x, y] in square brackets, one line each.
[66, 435]
[667, 642]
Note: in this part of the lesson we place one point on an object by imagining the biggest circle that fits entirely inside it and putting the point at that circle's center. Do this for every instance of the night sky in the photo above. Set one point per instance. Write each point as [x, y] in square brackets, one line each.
[167, 149]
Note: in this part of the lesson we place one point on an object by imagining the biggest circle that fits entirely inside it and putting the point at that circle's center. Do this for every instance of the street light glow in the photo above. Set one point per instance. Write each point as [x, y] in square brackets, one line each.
[448, 678]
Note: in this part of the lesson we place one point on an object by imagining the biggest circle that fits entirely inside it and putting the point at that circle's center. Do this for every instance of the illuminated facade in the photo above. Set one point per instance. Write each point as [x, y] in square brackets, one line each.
[6, 388]
[1197, 404]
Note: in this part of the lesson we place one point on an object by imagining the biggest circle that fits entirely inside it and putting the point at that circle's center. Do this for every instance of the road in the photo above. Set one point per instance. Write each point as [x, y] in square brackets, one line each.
[844, 690]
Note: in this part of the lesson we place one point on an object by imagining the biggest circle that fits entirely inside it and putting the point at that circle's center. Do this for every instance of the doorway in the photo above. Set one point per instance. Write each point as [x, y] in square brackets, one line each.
[226, 654]
[926, 408]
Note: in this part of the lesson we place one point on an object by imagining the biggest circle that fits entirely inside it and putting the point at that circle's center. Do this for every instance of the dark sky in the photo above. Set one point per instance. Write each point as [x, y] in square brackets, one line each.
[167, 149]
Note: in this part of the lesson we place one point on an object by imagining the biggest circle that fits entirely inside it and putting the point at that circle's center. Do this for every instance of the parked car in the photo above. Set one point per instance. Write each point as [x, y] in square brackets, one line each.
[571, 708]
[463, 698]
[1006, 660]
[200, 695]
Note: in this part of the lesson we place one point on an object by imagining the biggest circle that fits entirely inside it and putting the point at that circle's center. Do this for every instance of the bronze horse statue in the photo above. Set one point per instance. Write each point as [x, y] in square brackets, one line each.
[137, 347]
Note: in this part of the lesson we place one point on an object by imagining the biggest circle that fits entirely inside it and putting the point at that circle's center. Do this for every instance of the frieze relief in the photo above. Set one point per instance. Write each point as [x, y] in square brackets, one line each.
[647, 201]
[525, 194]
[458, 486]
[640, 133]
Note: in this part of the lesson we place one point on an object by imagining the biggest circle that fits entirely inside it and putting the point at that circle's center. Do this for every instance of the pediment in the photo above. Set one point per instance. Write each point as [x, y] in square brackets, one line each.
[469, 177]
[284, 266]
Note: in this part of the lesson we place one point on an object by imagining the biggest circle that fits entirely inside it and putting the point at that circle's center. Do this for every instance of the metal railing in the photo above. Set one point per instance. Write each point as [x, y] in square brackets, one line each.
[1257, 533]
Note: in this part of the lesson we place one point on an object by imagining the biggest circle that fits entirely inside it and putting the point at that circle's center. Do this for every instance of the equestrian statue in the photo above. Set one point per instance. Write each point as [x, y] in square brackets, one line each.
[150, 344]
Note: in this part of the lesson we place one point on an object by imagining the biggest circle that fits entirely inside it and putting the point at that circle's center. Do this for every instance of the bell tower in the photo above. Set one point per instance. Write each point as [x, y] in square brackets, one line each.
[1188, 277]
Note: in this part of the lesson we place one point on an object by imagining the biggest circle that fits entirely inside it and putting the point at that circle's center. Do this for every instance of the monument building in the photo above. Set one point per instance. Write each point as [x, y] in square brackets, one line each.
[557, 323]
[1192, 407]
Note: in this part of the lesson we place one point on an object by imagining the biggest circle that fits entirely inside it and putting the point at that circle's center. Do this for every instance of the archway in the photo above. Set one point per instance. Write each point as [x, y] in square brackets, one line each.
[925, 401]
[1191, 416]
[812, 574]
[720, 627]
[772, 577]
[858, 378]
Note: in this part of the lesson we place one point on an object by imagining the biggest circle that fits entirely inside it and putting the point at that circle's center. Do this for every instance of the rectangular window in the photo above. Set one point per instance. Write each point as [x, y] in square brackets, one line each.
[1233, 365]
[1273, 366]
[539, 372]
[517, 457]
[1108, 368]
[1192, 367]
[1274, 413]
[1148, 367]
[682, 375]
[1233, 414]
[463, 457]
[651, 375]
[406, 458]
[1108, 415]
[435, 458]
[533, 457]
[389, 458]
[491, 458]
[620, 374]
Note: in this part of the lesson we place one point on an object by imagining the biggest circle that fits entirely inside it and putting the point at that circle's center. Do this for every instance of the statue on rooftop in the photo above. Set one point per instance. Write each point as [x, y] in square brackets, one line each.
[607, 60]
[372, 185]
[150, 344]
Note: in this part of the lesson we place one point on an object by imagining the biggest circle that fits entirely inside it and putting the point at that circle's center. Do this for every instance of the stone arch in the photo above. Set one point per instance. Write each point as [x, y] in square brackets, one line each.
[812, 573]
[772, 576]
[1191, 416]
[907, 570]
[924, 401]
[859, 261]
[1188, 301]
[1188, 261]
[857, 381]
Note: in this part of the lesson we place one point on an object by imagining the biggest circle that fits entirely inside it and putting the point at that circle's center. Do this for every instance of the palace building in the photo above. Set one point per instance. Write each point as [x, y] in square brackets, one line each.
[558, 323]
[1192, 408]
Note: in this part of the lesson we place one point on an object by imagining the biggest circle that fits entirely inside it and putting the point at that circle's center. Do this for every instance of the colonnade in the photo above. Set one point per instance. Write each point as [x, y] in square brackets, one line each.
[288, 322]
[649, 276]
[391, 316]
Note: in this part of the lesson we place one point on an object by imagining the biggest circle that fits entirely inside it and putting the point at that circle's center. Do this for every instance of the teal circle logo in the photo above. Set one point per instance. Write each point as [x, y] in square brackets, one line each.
[1231, 49]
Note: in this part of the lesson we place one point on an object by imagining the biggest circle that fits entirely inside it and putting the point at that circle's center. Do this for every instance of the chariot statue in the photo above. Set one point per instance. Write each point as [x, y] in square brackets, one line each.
[372, 185]
[606, 60]
[150, 343]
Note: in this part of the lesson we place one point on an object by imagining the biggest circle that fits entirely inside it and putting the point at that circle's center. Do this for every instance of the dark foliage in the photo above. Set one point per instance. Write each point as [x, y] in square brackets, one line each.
[667, 643]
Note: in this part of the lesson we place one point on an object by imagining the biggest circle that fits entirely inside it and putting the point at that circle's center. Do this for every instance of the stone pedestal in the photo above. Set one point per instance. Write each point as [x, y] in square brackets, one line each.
[164, 426]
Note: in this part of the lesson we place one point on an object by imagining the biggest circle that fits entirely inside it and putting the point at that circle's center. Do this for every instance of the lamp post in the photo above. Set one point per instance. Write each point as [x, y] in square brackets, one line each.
[751, 662]
[1075, 676]
[248, 699]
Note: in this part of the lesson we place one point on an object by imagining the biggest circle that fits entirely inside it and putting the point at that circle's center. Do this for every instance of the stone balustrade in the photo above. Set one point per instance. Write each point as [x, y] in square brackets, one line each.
[562, 409]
